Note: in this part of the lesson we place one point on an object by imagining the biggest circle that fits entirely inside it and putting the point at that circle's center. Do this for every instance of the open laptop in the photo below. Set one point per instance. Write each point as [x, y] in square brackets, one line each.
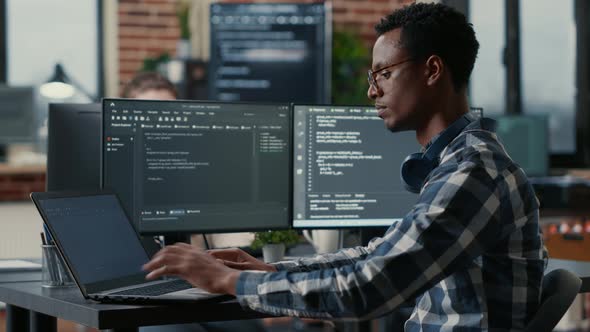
[103, 251]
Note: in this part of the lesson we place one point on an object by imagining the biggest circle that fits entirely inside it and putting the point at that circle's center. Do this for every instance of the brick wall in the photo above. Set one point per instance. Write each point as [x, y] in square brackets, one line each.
[148, 28]
[16, 183]
[362, 15]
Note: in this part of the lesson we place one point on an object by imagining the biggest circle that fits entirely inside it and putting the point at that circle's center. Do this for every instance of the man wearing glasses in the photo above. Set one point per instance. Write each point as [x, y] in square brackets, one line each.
[469, 255]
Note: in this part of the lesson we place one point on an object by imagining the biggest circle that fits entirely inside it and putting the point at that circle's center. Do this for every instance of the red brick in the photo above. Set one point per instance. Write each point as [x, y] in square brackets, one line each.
[37, 188]
[6, 186]
[137, 42]
[23, 178]
[363, 11]
[142, 24]
[164, 7]
[127, 74]
[160, 6]
[148, 20]
[126, 77]
[339, 10]
[160, 1]
[141, 31]
[136, 13]
[141, 43]
[13, 197]
[130, 66]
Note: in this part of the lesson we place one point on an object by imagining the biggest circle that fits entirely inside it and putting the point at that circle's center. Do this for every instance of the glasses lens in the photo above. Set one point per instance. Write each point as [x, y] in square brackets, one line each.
[370, 77]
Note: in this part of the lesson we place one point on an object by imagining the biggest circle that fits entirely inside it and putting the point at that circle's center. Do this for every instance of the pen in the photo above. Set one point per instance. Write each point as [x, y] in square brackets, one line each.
[48, 238]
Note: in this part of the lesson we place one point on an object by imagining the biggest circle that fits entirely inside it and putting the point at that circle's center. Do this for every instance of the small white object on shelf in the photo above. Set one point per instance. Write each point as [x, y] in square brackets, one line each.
[18, 265]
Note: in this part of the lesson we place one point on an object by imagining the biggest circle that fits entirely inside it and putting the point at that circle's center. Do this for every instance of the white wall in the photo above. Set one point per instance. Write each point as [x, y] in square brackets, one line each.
[21, 224]
[41, 33]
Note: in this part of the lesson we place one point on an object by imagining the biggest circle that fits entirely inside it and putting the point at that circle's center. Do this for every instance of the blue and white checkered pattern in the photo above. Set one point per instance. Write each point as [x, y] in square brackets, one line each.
[470, 254]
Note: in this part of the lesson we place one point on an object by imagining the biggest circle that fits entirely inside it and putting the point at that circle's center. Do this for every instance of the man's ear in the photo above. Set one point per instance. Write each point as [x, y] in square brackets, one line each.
[434, 69]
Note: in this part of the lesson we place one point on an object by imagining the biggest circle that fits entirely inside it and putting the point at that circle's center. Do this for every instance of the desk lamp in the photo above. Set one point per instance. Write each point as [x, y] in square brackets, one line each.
[61, 86]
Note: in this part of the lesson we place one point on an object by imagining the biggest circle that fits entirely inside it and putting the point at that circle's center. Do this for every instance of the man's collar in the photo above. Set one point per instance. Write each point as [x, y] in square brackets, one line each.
[486, 124]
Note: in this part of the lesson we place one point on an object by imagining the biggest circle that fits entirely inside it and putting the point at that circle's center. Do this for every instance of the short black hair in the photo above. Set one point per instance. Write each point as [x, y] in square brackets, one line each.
[148, 80]
[435, 29]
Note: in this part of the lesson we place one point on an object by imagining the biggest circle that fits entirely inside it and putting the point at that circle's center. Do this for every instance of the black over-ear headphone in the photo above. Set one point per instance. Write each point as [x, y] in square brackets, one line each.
[417, 166]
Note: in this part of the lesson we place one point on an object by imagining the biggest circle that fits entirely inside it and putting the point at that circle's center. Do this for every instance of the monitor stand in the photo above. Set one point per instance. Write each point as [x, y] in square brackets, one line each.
[152, 247]
[325, 240]
[173, 238]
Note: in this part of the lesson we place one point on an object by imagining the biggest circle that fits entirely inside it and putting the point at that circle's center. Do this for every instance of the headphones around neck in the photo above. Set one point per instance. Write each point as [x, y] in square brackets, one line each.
[417, 166]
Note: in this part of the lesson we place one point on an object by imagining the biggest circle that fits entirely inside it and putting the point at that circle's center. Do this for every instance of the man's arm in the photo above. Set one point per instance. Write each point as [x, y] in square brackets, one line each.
[459, 215]
[238, 259]
[216, 271]
[337, 259]
[455, 220]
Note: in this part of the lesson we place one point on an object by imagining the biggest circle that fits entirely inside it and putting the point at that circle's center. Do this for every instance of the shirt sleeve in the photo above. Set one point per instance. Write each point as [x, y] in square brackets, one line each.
[441, 234]
[342, 257]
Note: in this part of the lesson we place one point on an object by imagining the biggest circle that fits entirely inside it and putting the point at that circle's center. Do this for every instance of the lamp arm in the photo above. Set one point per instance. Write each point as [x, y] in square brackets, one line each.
[81, 88]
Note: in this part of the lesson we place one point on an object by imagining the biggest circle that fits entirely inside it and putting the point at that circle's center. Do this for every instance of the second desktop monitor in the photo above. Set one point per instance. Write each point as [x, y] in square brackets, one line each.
[346, 168]
[182, 166]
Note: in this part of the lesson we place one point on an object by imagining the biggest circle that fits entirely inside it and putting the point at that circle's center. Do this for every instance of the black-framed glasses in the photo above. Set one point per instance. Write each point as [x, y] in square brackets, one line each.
[372, 75]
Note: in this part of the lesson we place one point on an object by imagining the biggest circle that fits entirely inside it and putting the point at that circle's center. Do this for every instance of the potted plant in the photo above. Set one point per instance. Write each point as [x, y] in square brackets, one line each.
[350, 60]
[273, 243]
[183, 46]
[155, 63]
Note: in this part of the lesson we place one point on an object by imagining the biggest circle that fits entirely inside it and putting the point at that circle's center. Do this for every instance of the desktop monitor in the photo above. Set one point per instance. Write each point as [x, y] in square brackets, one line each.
[16, 116]
[347, 168]
[270, 52]
[198, 167]
[526, 139]
[73, 147]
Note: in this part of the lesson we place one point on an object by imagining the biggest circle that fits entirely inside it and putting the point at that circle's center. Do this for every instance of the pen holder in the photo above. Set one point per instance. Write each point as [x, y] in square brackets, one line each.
[54, 272]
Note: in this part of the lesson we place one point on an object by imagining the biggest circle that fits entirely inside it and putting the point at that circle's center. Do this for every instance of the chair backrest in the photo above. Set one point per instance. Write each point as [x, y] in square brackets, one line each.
[559, 290]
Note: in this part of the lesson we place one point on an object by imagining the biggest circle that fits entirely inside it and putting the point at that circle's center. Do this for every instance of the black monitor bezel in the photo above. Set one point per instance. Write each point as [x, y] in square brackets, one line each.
[57, 112]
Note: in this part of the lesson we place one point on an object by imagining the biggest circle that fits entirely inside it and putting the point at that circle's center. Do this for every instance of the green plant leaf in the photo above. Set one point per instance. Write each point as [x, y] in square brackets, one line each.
[183, 13]
[288, 237]
[350, 60]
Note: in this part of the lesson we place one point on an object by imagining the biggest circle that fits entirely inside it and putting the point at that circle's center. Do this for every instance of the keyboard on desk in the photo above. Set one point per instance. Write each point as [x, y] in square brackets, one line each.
[157, 289]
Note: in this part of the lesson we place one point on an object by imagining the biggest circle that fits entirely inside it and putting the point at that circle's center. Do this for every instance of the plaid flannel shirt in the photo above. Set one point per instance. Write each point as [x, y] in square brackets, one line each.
[469, 256]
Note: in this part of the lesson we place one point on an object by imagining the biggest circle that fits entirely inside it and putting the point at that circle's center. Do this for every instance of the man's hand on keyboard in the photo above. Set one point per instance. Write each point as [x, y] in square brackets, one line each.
[240, 260]
[195, 266]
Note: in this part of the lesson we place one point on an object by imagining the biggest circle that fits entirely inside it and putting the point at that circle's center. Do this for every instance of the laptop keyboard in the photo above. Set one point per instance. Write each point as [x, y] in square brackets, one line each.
[157, 289]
